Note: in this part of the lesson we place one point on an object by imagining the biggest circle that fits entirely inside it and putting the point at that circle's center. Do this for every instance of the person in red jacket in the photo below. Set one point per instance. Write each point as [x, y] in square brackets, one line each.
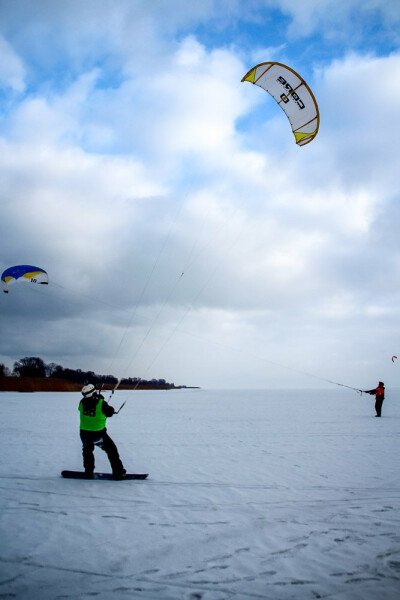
[379, 393]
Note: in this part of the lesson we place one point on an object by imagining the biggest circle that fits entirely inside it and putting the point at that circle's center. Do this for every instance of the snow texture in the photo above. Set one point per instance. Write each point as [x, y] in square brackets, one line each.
[251, 495]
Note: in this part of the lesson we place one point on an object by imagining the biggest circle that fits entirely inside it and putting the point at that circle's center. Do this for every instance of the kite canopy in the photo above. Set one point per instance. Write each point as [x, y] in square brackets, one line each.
[393, 358]
[27, 273]
[292, 94]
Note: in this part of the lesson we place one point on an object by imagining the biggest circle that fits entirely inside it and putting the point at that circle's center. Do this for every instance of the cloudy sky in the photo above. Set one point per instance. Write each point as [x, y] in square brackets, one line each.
[185, 234]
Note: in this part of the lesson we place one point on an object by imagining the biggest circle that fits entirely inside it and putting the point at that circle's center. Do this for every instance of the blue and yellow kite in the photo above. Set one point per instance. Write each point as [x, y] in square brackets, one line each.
[27, 273]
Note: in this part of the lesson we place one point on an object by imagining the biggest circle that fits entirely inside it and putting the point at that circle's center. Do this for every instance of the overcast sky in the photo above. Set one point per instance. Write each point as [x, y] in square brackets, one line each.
[185, 235]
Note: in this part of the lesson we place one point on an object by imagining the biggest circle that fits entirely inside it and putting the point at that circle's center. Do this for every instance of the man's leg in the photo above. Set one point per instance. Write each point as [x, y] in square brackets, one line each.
[87, 453]
[378, 407]
[111, 450]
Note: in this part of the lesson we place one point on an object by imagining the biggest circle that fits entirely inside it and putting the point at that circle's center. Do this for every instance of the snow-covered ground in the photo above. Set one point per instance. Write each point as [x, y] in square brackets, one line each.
[269, 495]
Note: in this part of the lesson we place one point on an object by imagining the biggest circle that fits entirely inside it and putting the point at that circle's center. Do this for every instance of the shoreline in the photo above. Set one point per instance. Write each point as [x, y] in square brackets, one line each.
[46, 384]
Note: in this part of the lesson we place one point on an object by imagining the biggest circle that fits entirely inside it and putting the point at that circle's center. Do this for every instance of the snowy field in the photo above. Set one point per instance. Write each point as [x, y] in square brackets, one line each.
[268, 495]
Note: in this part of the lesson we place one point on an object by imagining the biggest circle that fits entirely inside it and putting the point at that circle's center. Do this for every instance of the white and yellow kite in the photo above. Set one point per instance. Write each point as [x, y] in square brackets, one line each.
[292, 94]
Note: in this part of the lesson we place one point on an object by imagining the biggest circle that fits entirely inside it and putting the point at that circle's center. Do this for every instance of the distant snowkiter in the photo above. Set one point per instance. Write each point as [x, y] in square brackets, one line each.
[379, 393]
[94, 410]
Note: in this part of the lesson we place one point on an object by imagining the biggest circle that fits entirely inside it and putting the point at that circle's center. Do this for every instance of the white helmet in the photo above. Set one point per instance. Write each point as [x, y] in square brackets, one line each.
[88, 390]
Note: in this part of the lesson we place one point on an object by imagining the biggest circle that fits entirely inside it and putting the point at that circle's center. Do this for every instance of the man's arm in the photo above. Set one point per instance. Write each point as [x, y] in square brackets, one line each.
[108, 410]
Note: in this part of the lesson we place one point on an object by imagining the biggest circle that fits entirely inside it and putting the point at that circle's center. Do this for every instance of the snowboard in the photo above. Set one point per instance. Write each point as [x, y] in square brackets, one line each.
[81, 475]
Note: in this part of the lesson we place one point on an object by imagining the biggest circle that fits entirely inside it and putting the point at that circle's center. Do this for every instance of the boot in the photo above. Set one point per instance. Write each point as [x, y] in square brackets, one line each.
[118, 475]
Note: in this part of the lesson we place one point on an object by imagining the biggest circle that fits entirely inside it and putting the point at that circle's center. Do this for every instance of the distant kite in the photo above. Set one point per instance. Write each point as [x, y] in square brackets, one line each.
[292, 94]
[27, 273]
[394, 357]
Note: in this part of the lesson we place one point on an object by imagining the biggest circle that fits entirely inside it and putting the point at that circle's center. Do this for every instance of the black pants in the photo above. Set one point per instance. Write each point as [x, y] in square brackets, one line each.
[378, 406]
[90, 439]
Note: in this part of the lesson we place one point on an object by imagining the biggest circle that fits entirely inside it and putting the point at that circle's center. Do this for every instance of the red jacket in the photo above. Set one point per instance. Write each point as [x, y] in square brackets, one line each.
[379, 392]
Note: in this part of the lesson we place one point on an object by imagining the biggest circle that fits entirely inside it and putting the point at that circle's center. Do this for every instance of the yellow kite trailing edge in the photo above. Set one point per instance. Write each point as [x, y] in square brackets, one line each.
[292, 94]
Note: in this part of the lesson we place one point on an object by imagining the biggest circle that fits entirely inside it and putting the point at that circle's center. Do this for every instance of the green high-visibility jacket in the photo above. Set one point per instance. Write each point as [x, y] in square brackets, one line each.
[92, 415]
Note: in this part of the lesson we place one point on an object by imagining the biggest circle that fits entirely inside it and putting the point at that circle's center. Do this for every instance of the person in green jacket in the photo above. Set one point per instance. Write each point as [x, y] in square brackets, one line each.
[93, 411]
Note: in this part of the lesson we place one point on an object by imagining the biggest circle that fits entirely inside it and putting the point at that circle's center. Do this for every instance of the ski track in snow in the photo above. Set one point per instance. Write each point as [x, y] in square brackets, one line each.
[251, 495]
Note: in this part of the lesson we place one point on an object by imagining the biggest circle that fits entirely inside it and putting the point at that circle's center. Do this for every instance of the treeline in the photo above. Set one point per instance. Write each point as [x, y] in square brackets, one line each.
[34, 367]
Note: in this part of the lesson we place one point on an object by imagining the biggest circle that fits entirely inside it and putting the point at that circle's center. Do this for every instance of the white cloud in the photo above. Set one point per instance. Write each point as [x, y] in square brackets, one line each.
[340, 18]
[74, 206]
[12, 70]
